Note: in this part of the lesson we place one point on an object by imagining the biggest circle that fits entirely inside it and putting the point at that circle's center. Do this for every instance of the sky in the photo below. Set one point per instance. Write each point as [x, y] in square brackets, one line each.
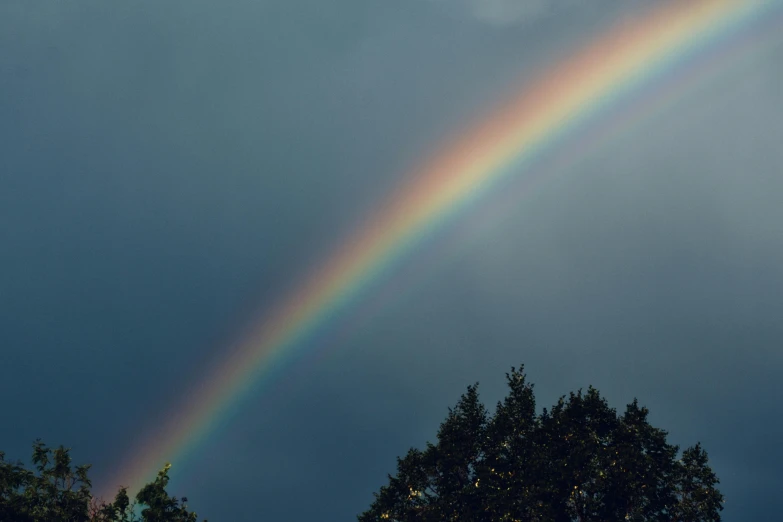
[169, 170]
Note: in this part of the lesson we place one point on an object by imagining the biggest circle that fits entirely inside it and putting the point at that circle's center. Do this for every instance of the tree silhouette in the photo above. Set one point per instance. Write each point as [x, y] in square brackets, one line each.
[57, 492]
[578, 462]
[54, 491]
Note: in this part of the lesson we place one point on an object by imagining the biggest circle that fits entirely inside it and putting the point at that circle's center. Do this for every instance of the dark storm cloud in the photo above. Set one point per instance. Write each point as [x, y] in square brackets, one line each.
[168, 169]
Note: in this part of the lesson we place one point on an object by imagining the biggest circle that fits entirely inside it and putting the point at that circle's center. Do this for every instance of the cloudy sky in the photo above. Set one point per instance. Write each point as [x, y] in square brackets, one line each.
[167, 169]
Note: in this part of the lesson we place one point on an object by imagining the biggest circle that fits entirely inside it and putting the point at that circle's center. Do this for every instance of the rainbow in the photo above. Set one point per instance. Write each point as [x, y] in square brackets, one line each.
[567, 99]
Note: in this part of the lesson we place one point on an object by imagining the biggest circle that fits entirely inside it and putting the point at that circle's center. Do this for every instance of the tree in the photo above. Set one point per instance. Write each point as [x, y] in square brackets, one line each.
[58, 492]
[578, 462]
[121, 510]
[161, 506]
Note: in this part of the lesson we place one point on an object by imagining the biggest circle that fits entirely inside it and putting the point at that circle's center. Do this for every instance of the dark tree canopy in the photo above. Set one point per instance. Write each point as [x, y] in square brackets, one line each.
[57, 492]
[578, 462]
[54, 491]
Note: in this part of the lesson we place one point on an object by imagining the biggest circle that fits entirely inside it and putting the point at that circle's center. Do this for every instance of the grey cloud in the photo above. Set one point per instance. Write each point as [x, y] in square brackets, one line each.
[510, 12]
[168, 169]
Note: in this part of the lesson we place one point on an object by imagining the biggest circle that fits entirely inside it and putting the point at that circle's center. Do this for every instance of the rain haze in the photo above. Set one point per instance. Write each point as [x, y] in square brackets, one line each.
[170, 170]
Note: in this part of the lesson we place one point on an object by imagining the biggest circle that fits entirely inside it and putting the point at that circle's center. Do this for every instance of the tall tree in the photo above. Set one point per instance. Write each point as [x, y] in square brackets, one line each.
[579, 461]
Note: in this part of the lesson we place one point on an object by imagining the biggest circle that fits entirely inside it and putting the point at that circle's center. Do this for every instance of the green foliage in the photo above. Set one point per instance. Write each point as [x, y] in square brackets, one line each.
[121, 510]
[57, 492]
[54, 491]
[578, 462]
[161, 506]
